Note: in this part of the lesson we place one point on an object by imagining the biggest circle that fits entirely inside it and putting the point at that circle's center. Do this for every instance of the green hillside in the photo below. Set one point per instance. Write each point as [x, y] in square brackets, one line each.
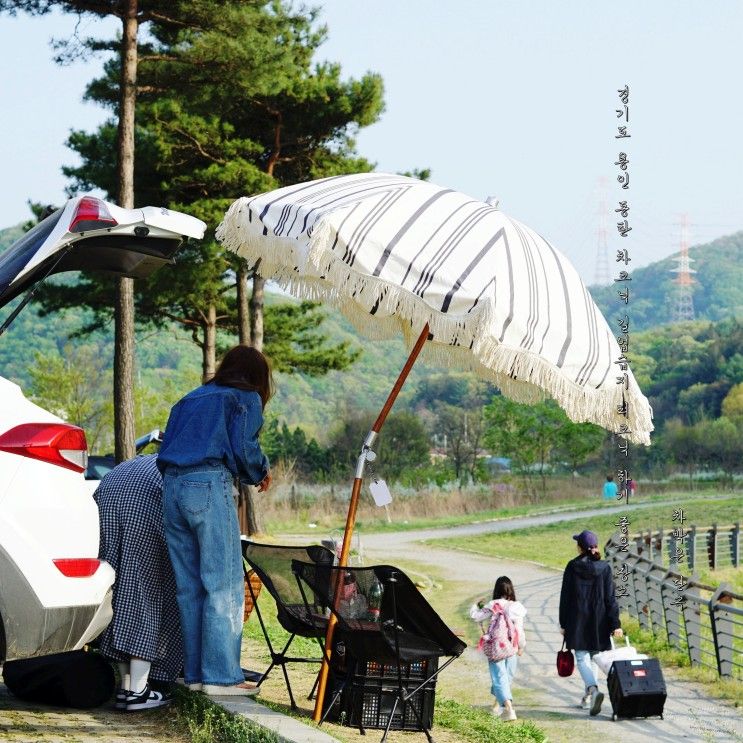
[717, 294]
[169, 363]
[9, 235]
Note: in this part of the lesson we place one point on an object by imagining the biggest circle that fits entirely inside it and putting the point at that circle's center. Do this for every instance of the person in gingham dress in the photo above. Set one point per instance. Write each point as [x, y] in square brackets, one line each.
[144, 636]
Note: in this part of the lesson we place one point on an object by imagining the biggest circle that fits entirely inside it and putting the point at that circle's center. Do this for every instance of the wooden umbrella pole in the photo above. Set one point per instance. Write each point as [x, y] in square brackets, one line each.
[353, 507]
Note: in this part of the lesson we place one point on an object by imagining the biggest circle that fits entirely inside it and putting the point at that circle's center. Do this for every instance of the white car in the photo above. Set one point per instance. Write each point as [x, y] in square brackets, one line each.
[55, 595]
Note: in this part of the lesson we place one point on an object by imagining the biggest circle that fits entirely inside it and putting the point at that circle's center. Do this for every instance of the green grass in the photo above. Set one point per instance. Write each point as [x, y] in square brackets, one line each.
[454, 721]
[298, 523]
[376, 525]
[479, 726]
[658, 647]
[197, 717]
[552, 544]
[730, 575]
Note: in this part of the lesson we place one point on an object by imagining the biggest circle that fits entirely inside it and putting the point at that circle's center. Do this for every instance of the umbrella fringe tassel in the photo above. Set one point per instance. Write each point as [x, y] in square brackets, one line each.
[461, 341]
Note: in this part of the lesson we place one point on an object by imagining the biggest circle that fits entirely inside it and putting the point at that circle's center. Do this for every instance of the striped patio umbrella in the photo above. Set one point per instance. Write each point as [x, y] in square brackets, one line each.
[460, 280]
[395, 254]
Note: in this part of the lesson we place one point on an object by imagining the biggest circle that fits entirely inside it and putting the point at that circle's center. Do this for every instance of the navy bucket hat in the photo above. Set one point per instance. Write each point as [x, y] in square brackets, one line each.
[586, 539]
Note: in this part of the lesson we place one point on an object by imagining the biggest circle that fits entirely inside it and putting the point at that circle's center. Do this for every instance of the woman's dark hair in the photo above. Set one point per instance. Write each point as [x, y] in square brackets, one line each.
[503, 589]
[246, 368]
[592, 553]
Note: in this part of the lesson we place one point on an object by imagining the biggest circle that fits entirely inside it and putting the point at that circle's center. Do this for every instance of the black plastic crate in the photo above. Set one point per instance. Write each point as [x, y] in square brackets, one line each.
[416, 671]
[370, 704]
[366, 699]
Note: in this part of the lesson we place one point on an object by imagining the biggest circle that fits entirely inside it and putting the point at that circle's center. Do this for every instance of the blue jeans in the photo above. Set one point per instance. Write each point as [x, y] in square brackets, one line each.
[203, 536]
[501, 673]
[586, 667]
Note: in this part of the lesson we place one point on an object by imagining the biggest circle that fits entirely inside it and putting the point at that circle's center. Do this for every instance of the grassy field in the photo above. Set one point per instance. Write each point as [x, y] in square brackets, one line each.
[658, 647]
[200, 720]
[462, 711]
[322, 512]
[552, 544]
[462, 707]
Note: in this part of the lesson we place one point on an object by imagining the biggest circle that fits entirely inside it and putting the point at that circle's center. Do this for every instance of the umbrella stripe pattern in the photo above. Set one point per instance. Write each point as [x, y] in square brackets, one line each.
[394, 253]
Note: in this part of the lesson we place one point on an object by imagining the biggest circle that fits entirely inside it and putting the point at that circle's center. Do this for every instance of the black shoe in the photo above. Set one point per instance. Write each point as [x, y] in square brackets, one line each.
[121, 696]
[148, 699]
[597, 699]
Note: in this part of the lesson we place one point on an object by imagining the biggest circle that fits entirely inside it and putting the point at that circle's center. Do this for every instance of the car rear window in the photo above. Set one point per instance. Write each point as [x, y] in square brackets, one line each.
[20, 252]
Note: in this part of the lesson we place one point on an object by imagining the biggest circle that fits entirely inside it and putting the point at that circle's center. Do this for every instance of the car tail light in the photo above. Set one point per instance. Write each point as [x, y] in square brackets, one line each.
[77, 567]
[91, 214]
[56, 443]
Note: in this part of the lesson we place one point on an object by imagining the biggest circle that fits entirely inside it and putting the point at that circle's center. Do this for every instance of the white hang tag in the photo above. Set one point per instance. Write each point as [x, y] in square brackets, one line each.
[380, 492]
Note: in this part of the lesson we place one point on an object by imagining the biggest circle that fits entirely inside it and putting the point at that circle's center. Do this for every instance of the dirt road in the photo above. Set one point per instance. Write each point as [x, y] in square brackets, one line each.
[540, 694]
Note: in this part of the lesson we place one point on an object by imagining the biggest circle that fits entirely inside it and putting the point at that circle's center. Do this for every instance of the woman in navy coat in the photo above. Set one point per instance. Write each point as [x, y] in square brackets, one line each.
[589, 613]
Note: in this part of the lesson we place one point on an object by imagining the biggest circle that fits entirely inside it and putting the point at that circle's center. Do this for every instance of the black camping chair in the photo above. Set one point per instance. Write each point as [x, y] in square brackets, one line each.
[298, 614]
[395, 642]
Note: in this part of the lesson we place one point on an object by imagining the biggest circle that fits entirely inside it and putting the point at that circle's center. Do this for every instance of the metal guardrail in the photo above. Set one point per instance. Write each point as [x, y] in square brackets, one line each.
[710, 547]
[705, 621]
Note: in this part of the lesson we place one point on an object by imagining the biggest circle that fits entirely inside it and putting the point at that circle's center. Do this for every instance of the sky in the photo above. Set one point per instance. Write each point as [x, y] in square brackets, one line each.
[509, 99]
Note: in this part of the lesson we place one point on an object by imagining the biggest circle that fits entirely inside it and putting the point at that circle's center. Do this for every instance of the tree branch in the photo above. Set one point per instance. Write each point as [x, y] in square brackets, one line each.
[190, 138]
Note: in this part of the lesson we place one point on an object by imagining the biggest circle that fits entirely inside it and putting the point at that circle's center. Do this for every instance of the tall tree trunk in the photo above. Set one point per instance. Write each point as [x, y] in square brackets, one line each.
[256, 312]
[124, 306]
[251, 331]
[243, 310]
[251, 521]
[250, 319]
[209, 349]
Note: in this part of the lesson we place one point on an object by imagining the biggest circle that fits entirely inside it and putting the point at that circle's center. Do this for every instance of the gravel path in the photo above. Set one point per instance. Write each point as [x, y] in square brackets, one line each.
[21, 722]
[552, 701]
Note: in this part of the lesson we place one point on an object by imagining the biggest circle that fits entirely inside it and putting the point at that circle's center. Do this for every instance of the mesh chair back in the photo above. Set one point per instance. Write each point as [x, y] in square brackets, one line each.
[272, 563]
[421, 631]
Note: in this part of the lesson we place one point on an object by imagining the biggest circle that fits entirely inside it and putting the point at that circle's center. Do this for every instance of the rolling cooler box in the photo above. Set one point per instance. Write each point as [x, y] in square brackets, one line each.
[636, 688]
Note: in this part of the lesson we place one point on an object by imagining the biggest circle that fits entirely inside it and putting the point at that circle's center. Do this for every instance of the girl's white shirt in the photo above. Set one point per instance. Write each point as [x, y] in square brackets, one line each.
[515, 610]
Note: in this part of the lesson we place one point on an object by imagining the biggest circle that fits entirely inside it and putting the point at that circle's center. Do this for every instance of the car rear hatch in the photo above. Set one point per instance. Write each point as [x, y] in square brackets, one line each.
[90, 234]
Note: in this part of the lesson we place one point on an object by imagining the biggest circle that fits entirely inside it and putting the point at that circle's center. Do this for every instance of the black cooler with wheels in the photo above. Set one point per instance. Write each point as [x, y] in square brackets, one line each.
[636, 688]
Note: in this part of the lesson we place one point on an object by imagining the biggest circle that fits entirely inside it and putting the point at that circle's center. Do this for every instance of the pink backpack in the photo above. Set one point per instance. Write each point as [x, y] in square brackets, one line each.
[502, 638]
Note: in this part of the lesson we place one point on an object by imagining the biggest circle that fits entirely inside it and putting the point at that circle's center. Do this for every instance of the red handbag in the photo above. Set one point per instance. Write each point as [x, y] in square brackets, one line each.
[565, 661]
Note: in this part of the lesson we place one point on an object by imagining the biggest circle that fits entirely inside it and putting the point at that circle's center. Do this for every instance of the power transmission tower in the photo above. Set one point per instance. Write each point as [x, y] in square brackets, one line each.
[601, 275]
[684, 307]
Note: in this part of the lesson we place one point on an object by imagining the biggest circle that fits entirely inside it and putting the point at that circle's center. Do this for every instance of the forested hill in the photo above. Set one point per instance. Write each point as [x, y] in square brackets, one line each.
[169, 363]
[9, 235]
[717, 292]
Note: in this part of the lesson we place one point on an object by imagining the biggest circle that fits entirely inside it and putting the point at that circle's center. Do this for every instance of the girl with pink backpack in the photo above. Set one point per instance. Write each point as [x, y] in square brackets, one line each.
[502, 643]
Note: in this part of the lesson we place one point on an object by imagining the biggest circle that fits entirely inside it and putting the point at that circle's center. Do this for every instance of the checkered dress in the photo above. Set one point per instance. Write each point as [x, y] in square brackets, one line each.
[146, 622]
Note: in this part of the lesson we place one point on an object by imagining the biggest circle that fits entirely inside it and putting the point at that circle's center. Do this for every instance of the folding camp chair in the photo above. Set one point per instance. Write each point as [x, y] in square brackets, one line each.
[297, 614]
[391, 646]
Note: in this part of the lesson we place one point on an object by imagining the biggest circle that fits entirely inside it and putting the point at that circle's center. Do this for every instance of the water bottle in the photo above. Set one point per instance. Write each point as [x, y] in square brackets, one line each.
[376, 592]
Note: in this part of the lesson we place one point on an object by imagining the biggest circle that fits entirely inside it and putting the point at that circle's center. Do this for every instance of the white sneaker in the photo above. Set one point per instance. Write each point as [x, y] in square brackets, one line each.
[585, 702]
[237, 690]
[508, 714]
[196, 686]
[496, 710]
[597, 699]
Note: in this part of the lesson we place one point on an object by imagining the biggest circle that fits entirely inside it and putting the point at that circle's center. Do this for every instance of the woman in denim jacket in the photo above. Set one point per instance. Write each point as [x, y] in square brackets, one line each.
[212, 437]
